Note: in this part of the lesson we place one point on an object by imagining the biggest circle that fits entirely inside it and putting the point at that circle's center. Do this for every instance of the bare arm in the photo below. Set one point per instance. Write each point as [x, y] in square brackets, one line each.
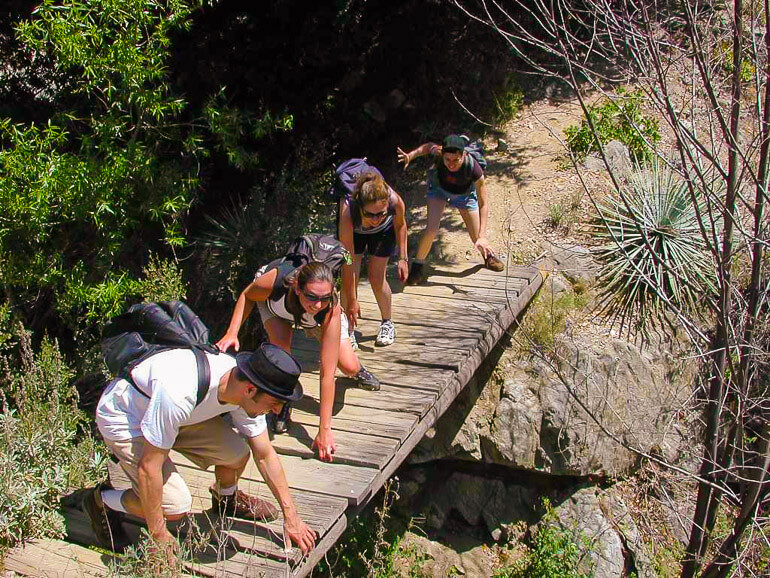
[258, 290]
[423, 149]
[399, 223]
[348, 272]
[270, 467]
[330, 354]
[150, 490]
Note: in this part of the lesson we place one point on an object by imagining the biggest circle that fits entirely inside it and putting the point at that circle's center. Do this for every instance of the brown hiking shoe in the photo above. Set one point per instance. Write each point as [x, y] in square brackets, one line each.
[242, 505]
[107, 524]
[493, 263]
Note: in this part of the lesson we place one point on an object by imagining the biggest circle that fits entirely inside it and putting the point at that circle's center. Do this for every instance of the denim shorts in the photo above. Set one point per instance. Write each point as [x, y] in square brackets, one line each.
[468, 202]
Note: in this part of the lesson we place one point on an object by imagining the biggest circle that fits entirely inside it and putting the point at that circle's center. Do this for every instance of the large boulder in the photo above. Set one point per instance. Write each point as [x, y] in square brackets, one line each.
[574, 262]
[602, 527]
[583, 414]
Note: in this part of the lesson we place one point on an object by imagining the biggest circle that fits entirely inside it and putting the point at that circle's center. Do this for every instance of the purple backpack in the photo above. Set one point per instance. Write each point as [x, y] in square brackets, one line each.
[346, 176]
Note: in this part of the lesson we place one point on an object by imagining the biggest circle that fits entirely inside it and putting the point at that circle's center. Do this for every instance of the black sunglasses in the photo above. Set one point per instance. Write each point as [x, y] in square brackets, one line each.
[312, 297]
[369, 215]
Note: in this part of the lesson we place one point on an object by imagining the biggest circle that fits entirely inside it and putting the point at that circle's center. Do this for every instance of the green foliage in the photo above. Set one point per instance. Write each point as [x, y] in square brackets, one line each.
[618, 118]
[373, 544]
[548, 316]
[96, 184]
[553, 553]
[162, 281]
[232, 127]
[248, 234]
[748, 69]
[45, 449]
[508, 101]
[652, 249]
[564, 213]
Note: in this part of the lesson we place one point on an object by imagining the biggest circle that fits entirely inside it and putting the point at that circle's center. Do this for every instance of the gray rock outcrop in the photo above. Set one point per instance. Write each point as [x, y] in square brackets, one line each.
[601, 525]
[577, 416]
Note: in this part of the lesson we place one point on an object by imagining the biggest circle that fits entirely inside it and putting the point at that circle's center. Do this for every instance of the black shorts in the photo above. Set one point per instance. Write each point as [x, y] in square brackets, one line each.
[382, 244]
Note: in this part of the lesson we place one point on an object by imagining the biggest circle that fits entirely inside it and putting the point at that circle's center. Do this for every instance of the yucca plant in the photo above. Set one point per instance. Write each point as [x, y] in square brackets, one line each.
[653, 251]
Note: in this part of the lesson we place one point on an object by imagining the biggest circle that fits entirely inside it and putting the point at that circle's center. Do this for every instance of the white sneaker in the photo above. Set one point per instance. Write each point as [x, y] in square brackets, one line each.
[386, 335]
[353, 341]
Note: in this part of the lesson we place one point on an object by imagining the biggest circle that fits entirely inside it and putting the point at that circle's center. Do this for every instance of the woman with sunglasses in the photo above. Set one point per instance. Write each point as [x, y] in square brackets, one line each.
[373, 221]
[288, 296]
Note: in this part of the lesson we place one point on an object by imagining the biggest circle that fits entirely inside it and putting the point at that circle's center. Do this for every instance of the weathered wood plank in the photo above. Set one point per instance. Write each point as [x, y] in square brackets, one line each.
[381, 423]
[352, 448]
[312, 475]
[56, 559]
[389, 398]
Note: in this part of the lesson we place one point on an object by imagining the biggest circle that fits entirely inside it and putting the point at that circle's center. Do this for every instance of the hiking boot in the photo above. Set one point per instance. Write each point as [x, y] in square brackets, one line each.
[365, 380]
[242, 505]
[415, 274]
[353, 341]
[281, 421]
[107, 524]
[493, 263]
[386, 335]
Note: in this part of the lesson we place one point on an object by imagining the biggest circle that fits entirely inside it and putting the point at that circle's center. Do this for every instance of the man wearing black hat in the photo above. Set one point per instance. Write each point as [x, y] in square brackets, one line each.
[142, 421]
[456, 179]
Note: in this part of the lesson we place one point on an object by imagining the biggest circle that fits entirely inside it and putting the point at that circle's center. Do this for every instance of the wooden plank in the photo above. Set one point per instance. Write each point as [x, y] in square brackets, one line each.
[264, 538]
[381, 423]
[389, 398]
[322, 547]
[318, 510]
[56, 559]
[352, 448]
[312, 475]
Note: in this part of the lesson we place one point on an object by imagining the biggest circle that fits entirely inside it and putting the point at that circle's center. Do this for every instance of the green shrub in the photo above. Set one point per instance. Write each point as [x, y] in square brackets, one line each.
[652, 249]
[553, 553]
[618, 118]
[373, 544]
[508, 101]
[112, 172]
[548, 317]
[162, 281]
[45, 448]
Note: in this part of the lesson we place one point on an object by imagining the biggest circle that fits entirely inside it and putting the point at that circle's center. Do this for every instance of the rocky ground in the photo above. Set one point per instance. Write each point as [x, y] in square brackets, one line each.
[517, 433]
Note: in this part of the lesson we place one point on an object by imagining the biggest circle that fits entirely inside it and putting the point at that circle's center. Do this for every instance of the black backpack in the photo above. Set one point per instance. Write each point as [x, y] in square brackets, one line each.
[318, 247]
[346, 175]
[149, 328]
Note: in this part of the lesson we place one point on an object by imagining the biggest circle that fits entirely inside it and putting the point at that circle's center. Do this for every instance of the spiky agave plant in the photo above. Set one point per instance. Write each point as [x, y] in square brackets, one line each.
[653, 251]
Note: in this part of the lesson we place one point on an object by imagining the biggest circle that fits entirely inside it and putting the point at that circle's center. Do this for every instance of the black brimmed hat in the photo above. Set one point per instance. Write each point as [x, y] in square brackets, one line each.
[272, 370]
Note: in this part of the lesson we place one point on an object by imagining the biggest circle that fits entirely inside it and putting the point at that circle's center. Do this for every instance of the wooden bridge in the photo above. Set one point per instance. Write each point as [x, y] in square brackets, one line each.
[445, 329]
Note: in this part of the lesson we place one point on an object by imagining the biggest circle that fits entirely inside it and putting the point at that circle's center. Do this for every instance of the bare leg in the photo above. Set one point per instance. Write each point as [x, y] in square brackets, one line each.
[357, 260]
[279, 333]
[348, 361]
[378, 281]
[435, 210]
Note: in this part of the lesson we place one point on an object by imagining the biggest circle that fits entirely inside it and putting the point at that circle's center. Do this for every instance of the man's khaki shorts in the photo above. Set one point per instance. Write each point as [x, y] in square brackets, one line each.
[212, 442]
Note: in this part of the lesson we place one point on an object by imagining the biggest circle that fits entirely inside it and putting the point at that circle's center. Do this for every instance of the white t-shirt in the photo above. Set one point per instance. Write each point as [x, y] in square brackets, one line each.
[170, 379]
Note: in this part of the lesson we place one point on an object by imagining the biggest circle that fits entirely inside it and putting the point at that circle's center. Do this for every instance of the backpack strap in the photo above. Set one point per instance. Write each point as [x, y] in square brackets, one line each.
[204, 374]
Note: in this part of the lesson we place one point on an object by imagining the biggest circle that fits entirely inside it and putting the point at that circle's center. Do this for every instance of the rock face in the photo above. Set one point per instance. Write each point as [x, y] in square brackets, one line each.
[576, 263]
[601, 525]
[542, 422]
